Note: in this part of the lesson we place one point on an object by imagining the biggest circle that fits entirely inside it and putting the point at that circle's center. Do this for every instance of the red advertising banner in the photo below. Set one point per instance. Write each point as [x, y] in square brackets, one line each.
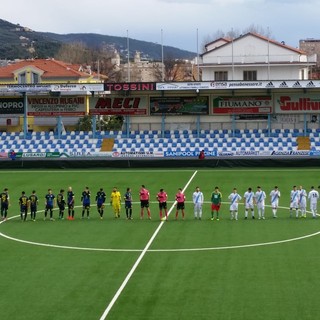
[242, 105]
[134, 106]
[46, 106]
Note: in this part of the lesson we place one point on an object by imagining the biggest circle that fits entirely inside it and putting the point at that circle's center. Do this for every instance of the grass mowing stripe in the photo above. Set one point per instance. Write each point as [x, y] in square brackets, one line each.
[313, 169]
[124, 283]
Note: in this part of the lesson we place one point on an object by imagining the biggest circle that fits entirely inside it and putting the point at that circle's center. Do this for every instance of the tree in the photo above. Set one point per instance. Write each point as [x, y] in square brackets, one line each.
[173, 70]
[104, 123]
[76, 52]
[101, 60]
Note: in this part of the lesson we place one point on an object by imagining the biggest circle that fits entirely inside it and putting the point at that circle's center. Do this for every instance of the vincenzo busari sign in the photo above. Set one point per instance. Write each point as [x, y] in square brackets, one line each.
[46, 106]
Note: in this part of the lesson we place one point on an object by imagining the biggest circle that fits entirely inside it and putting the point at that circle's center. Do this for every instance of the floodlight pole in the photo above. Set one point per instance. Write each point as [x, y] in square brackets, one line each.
[128, 51]
[162, 58]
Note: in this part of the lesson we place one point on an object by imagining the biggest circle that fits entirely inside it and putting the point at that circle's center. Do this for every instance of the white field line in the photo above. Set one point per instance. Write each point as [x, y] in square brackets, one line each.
[48, 245]
[136, 264]
[238, 246]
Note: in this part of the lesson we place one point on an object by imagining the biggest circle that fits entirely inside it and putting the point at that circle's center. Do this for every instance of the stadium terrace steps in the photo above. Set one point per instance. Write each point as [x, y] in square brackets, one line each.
[303, 143]
[157, 141]
[107, 144]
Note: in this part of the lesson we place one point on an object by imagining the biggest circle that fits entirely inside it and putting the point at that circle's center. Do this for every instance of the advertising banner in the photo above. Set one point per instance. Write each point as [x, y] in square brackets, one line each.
[297, 103]
[130, 86]
[242, 105]
[254, 153]
[137, 154]
[37, 154]
[25, 88]
[187, 154]
[11, 106]
[46, 106]
[117, 105]
[184, 85]
[179, 105]
[217, 85]
[74, 87]
[85, 154]
[68, 87]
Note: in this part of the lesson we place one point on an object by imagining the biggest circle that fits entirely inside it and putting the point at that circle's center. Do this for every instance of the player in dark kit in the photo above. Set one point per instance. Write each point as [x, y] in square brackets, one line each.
[128, 203]
[101, 199]
[50, 203]
[85, 198]
[70, 202]
[33, 201]
[23, 203]
[4, 204]
[162, 199]
[61, 203]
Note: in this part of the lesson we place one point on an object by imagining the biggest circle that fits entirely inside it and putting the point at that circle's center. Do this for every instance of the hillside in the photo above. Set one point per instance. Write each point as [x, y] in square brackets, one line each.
[18, 42]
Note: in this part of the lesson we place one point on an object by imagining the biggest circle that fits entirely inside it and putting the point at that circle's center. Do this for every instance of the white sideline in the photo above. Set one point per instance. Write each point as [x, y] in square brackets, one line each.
[126, 280]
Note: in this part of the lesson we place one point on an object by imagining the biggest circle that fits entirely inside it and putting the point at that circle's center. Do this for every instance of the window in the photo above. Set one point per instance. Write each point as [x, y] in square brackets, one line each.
[250, 75]
[22, 78]
[220, 75]
[35, 78]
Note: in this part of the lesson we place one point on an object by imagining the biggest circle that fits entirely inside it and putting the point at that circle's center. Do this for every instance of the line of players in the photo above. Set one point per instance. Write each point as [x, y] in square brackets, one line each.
[298, 203]
[62, 201]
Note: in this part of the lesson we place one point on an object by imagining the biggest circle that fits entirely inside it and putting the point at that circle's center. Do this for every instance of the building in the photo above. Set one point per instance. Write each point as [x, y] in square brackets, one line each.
[41, 71]
[253, 57]
[140, 70]
[311, 47]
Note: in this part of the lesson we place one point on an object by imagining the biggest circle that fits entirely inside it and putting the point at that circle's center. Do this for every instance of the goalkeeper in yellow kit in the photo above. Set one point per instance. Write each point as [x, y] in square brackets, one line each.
[115, 201]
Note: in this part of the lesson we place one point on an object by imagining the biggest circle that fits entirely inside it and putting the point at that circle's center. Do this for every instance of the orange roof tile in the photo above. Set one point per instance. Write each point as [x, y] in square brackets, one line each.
[51, 69]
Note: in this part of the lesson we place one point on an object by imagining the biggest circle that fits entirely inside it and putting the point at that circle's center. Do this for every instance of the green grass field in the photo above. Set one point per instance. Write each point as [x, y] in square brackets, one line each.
[191, 269]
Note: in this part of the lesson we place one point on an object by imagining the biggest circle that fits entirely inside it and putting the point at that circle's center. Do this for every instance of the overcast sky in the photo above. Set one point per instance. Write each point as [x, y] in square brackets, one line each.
[286, 20]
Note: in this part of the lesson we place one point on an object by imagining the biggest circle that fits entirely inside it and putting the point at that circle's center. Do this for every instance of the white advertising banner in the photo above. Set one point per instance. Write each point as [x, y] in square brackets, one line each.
[219, 85]
[297, 103]
[46, 106]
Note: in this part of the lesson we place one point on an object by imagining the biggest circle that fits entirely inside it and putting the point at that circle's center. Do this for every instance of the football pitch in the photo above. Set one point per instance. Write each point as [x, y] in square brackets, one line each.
[91, 269]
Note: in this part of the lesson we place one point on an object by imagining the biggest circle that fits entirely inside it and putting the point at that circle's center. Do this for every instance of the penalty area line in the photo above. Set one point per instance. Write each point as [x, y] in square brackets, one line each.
[136, 264]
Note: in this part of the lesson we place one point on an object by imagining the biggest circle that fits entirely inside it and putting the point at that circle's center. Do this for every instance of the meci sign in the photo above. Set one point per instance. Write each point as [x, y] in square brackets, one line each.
[119, 106]
[11, 106]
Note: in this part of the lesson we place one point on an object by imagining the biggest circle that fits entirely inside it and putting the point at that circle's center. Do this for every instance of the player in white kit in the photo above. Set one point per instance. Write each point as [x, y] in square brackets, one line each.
[197, 199]
[234, 198]
[259, 199]
[313, 197]
[294, 201]
[274, 200]
[248, 203]
[303, 202]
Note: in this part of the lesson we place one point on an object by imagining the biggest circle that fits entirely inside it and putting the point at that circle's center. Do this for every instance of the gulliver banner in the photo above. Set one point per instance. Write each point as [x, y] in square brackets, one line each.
[297, 103]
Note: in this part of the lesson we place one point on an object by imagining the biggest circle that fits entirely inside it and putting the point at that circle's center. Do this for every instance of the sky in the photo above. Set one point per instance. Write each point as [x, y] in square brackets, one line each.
[185, 24]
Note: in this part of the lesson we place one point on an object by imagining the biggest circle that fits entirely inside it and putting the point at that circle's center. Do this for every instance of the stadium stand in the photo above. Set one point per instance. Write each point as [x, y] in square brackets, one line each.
[157, 141]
